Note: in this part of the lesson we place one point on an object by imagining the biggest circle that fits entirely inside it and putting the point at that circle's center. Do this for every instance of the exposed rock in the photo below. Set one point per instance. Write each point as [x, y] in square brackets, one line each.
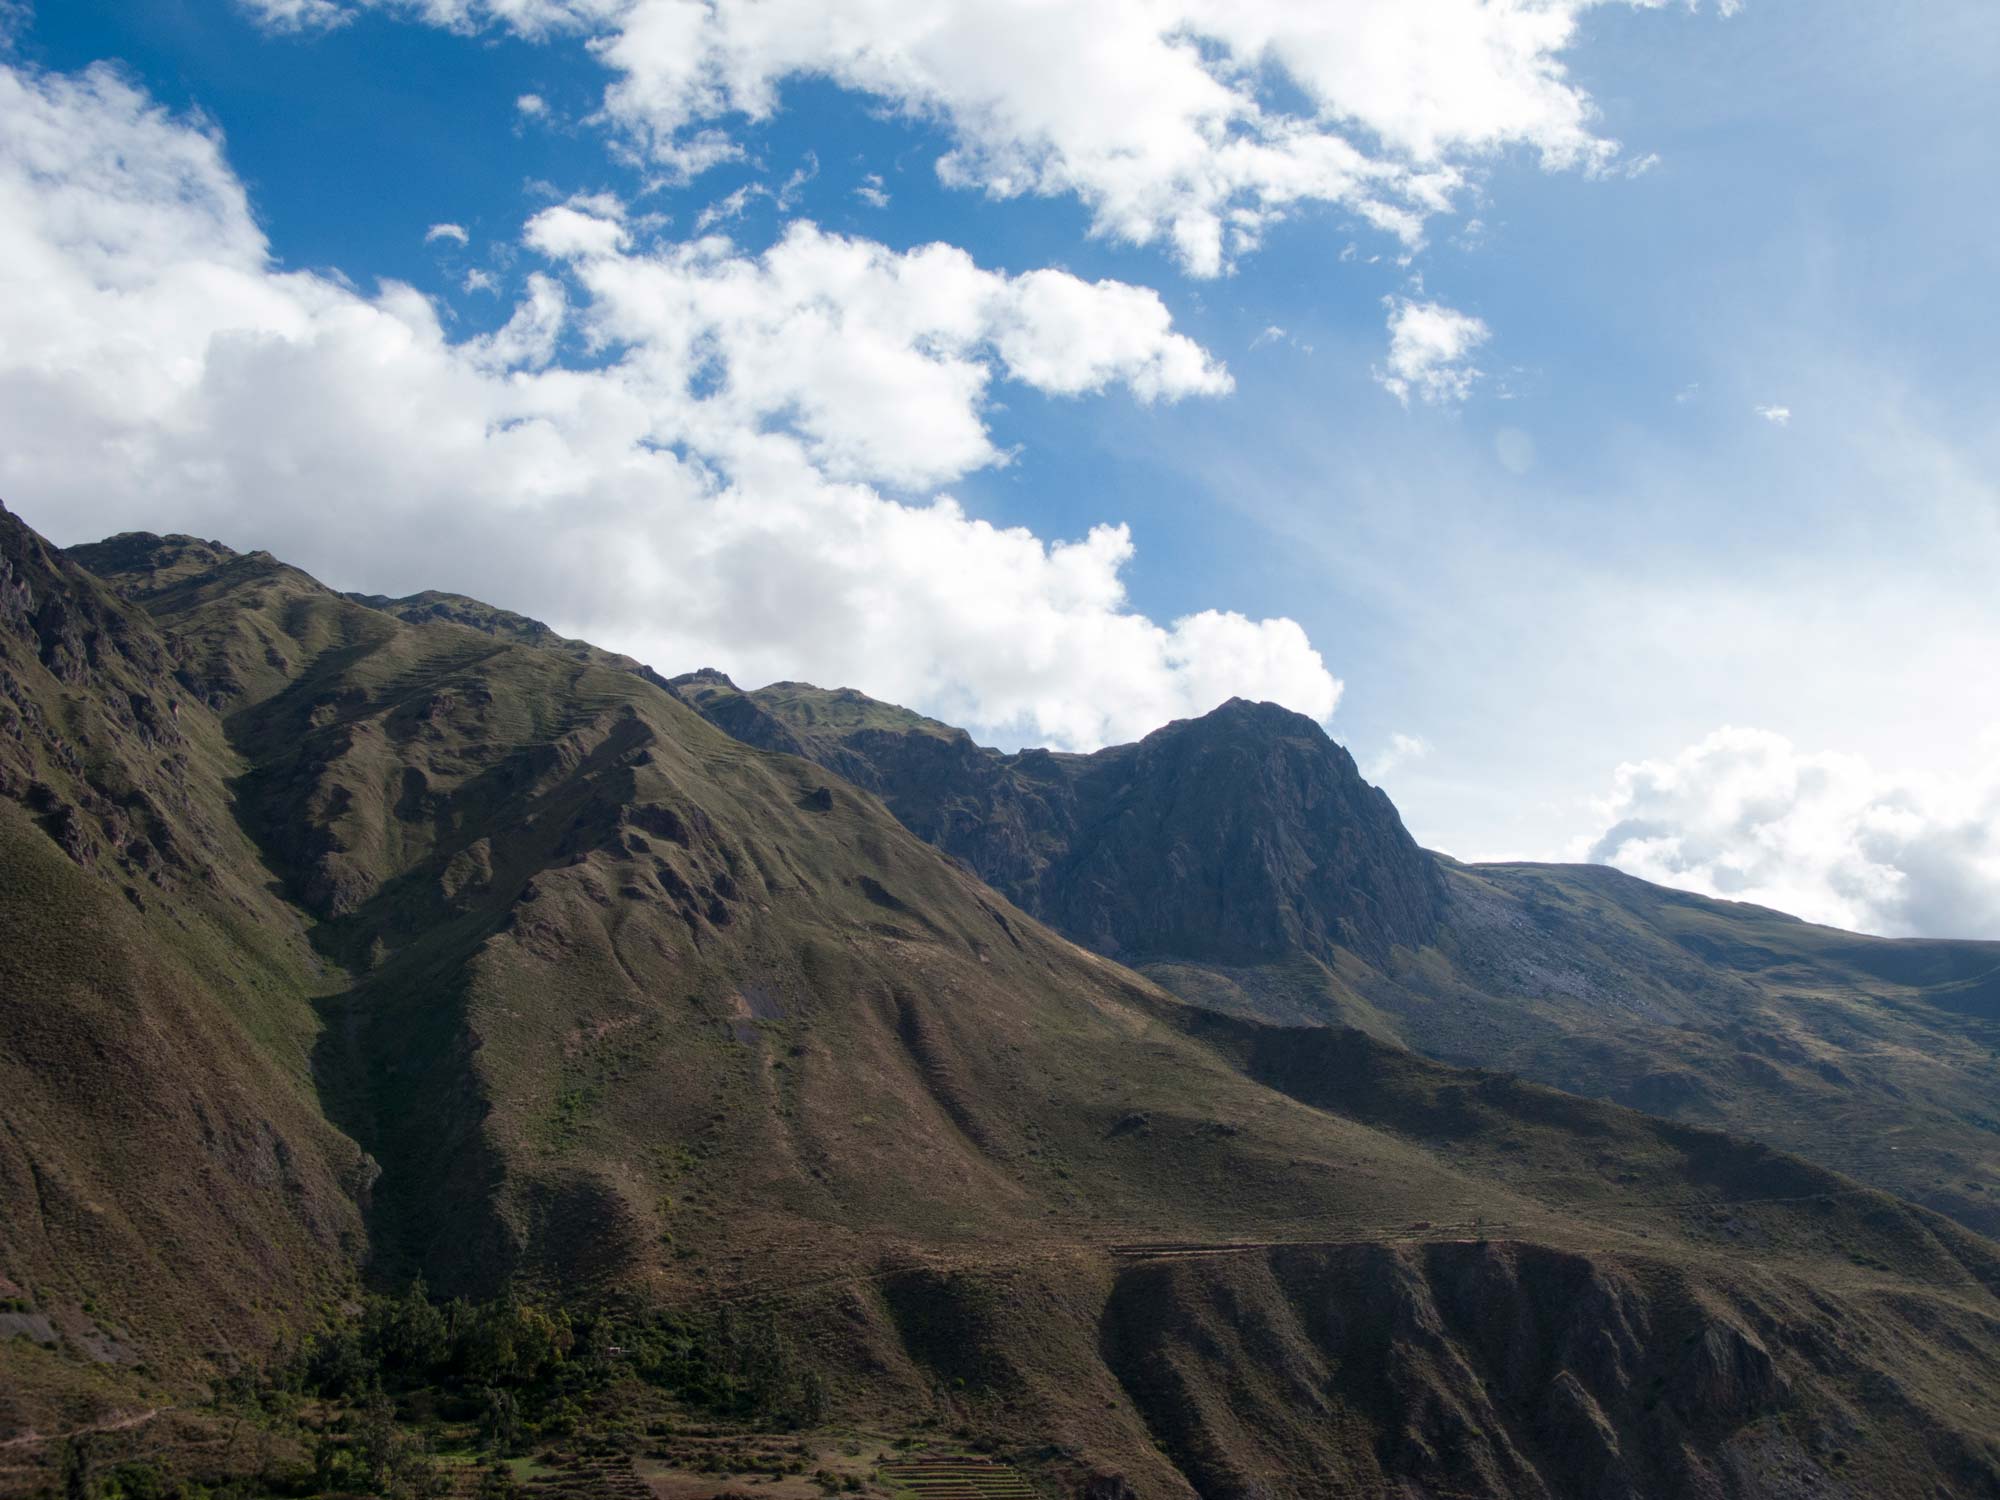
[17, 600]
[1106, 1486]
[1241, 836]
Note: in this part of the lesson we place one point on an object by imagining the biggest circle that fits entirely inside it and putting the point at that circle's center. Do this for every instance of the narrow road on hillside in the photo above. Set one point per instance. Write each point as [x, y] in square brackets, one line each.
[110, 1424]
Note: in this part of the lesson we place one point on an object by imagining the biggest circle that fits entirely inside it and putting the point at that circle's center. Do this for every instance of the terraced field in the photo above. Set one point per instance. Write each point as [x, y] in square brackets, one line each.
[957, 1479]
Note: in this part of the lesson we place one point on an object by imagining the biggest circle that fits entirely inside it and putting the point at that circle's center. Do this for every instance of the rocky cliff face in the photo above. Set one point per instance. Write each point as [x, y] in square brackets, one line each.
[1239, 837]
[1492, 1370]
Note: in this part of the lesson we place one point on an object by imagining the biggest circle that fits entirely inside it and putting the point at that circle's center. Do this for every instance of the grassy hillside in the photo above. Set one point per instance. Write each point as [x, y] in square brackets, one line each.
[629, 1014]
[171, 1194]
[1874, 1057]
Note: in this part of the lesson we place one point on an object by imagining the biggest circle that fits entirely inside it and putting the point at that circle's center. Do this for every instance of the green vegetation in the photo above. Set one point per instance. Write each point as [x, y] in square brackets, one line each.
[411, 1394]
[525, 1366]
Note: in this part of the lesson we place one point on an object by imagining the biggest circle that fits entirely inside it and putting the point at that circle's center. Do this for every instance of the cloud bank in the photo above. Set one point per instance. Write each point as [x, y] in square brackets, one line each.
[1194, 123]
[678, 449]
[1744, 814]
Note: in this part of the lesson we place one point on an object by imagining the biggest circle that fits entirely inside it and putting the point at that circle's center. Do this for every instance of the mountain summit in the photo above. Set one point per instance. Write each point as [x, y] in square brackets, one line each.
[1239, 837]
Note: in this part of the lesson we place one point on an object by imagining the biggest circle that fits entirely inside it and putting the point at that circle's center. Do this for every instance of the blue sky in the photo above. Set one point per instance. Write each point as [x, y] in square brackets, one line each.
[1711, 496]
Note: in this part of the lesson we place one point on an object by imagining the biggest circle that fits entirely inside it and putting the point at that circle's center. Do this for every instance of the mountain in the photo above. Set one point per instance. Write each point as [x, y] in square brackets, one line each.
[167, 1175]
[1240, 860]
[1242, 837]
[341, 944]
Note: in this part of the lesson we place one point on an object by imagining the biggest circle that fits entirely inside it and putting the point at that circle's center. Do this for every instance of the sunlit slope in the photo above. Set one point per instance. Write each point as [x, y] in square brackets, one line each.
[169, 1188]
[621, 1006]
[1305, 902]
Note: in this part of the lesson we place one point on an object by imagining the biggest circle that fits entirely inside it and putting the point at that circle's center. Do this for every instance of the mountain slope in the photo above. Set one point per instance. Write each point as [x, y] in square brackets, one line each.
[169, 1188]
[623, 1007]
[1287, 890]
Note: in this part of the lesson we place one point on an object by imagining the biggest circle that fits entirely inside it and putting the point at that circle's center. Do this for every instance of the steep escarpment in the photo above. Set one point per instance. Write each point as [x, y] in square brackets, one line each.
[1241, 837]
[1503, 1370]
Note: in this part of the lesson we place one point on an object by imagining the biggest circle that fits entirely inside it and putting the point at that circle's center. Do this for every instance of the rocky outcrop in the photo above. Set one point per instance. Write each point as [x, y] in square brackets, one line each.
[1242, 836]
[1474, 1369]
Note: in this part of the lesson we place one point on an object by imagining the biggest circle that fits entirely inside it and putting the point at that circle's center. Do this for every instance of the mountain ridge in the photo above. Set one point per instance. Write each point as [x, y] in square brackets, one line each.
[1578, 976]
[550, 986]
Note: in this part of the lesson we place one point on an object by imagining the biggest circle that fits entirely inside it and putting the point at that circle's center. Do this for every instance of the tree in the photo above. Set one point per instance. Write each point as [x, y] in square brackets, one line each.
[500, 1422]
[76, 1468]
[408, 1335]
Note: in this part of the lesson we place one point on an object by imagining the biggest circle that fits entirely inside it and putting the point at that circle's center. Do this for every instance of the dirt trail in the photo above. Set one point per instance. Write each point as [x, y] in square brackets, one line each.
[117, 1424]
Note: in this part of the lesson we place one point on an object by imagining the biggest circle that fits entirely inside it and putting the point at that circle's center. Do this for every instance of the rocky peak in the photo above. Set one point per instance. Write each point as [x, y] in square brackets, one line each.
[142, 565]
[736, 713]
[1237, 837]
[707, 677]
[68, 624]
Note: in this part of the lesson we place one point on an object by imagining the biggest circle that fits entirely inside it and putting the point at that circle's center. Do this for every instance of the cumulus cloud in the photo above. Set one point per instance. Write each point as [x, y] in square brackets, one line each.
[1430, 352]
[1777, 416]
[453, 232]
[871, 191]
[1744, 814]
[1194, 123]
[876, 360]
[696, 482]
[531, 106]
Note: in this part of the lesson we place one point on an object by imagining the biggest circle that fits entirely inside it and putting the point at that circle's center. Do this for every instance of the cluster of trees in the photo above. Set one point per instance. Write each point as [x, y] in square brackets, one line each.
[378, 1458]
[409, 1342]
[733, 1365]
[526, 1365]
[516, 1373]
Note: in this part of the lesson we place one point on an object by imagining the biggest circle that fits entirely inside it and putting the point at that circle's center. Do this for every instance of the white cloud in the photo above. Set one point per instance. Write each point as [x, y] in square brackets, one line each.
[1400, 751]
[15, 16]
[1430, 352]
[730, 206]
[477, 280]
[1777, 416]
[788, 191]
[1160, 115]
[300, 15]
[1746, 815]
[876, 361]
[871, 191]
[697, 490]
[531, 106]
[453, 232]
